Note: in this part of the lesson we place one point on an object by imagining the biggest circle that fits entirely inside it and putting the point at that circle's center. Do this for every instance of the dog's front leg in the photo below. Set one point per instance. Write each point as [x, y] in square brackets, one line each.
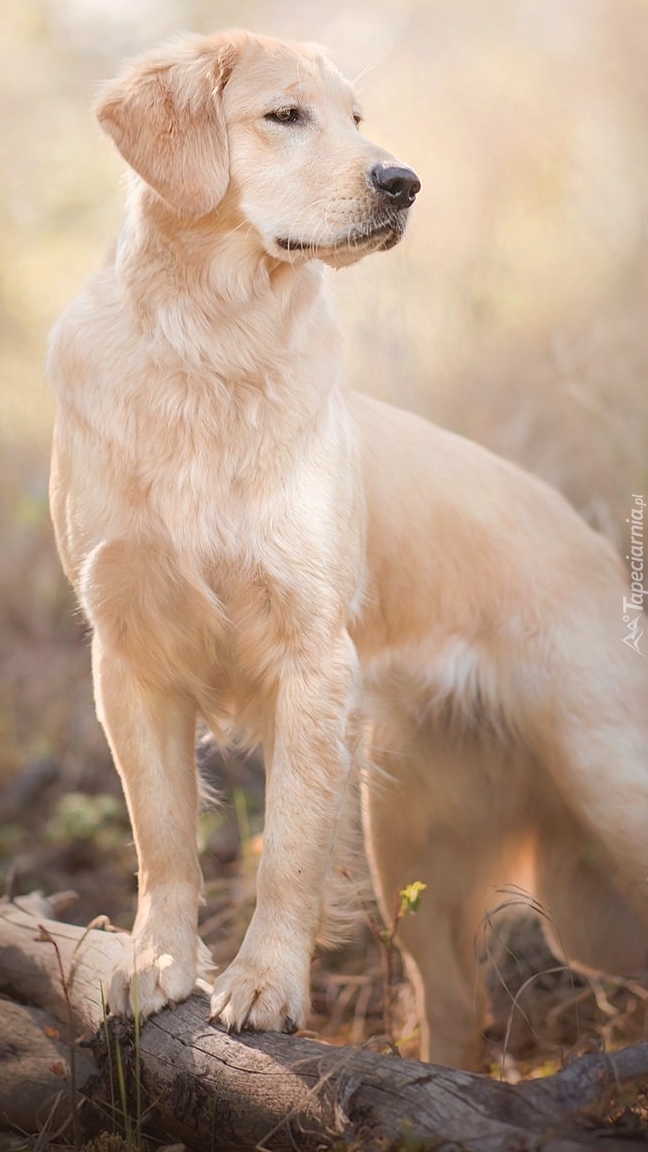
[308, 766]
[151, 732]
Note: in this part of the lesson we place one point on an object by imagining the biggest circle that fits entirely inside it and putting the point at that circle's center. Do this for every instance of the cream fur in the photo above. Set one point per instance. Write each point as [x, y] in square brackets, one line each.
[321, 573]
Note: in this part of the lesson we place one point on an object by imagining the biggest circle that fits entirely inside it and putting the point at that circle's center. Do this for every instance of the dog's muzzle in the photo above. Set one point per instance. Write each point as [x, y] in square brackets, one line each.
[394, 190]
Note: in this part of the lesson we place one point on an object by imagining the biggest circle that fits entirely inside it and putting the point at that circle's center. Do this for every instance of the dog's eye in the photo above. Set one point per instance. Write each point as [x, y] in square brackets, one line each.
[357, 119]
[286, 115]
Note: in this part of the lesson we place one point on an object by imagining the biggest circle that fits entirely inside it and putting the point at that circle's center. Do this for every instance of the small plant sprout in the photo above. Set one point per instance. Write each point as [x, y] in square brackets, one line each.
[411, 898]
[407, 904]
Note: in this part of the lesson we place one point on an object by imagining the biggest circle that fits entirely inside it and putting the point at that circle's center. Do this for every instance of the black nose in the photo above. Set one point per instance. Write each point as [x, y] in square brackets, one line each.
[400, 184]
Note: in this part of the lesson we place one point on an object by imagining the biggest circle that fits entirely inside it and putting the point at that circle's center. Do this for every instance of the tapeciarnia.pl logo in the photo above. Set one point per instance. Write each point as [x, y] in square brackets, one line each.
[633, 607]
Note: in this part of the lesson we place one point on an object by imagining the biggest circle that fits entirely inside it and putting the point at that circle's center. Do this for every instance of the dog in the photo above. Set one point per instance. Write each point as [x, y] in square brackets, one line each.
[317, 572]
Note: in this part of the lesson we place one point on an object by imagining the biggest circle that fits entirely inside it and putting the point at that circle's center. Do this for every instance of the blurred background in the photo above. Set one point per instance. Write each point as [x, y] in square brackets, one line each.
[513, 312]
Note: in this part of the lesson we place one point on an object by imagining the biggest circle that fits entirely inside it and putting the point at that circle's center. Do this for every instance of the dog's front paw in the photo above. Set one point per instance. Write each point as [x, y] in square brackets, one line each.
[149, 977]
[257, 996]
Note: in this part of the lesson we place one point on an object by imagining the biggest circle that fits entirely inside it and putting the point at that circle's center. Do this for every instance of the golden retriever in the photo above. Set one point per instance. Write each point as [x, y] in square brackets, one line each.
[320, 573]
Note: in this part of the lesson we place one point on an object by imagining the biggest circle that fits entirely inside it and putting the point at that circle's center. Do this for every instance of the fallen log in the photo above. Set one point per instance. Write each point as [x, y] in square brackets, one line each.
[270, 1093]
[35, 1074]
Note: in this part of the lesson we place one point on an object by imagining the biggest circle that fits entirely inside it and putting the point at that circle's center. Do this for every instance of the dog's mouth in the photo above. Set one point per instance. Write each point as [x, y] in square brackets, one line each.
[357, 241]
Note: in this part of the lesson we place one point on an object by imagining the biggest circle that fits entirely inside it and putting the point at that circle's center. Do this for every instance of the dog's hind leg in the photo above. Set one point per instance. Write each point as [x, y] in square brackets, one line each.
[591, 736]
[589, 923]
[592, 851]
[440, 812]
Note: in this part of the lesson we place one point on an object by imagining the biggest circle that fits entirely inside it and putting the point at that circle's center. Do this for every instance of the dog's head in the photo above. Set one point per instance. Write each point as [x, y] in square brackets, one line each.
[269, 126]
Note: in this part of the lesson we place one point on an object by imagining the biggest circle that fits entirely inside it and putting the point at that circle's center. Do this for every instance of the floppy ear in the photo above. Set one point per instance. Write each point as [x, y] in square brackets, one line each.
[165, 115]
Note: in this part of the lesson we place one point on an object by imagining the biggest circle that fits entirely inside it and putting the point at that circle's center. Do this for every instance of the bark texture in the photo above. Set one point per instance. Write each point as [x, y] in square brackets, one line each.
[194, 1083]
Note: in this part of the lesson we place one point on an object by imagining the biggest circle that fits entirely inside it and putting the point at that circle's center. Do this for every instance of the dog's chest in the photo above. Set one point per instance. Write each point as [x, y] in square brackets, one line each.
[252, 519]
[244, 477]
[225, 512]
[219, 524]
[207, 475]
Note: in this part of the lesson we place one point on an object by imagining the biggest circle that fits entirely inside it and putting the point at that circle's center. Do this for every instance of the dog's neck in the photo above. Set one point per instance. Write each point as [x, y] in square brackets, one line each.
[205, 283]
